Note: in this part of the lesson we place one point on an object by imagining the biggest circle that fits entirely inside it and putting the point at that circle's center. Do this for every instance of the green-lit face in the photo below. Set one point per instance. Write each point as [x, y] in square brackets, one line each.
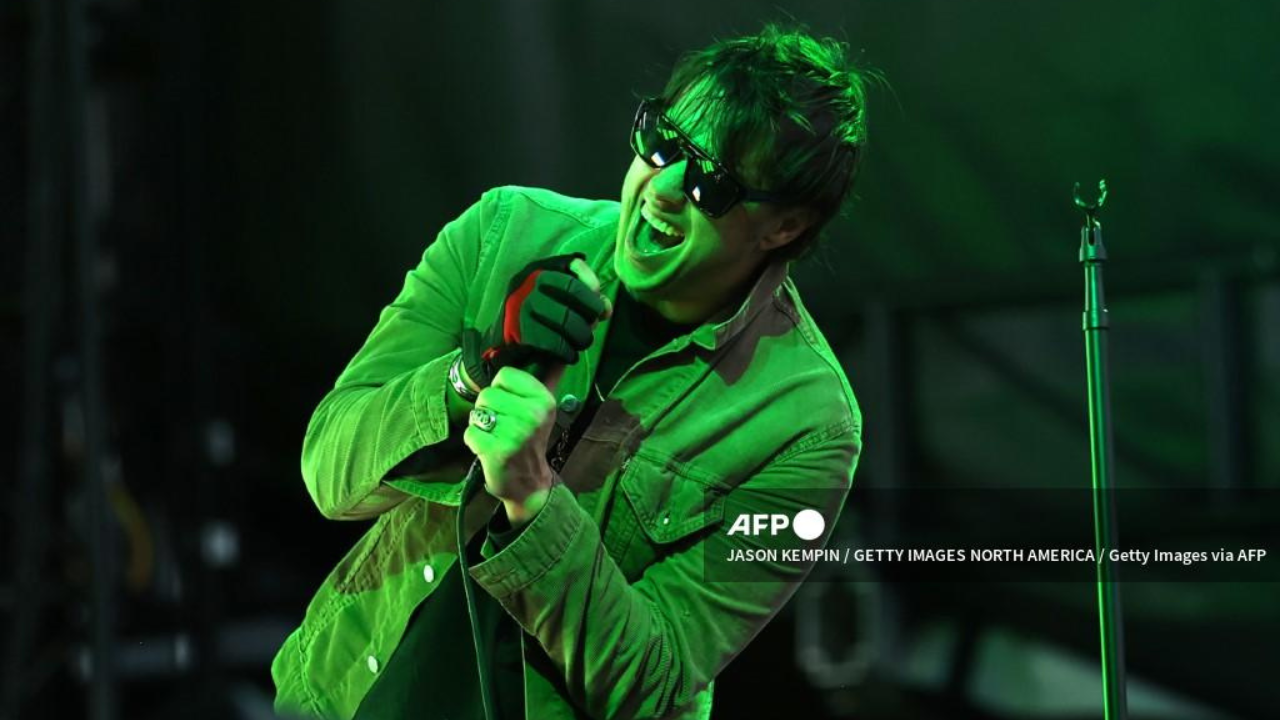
[674, 258]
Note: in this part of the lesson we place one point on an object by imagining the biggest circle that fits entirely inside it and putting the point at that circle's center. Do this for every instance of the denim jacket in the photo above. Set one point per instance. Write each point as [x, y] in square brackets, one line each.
[617, 577]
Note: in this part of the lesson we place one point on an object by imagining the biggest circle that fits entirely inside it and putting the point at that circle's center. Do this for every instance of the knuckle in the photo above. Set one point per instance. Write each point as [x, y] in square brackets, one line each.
[522, 423]
[505, 376]
[519, 425]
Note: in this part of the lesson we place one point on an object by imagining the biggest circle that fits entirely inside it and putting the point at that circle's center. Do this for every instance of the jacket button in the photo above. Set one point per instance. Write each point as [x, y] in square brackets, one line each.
[428, 573]
[570, 403]
[372, 662]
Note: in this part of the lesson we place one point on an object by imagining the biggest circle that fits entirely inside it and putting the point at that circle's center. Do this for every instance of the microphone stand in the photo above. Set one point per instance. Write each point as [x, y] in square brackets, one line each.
[1095, 324]
[488, 694]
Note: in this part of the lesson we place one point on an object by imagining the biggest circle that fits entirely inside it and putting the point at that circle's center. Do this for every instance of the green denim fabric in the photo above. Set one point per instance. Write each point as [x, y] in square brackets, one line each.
[750, 410]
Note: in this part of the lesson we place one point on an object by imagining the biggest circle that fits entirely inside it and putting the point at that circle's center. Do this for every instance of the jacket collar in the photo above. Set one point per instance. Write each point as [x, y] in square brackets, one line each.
[722, 328]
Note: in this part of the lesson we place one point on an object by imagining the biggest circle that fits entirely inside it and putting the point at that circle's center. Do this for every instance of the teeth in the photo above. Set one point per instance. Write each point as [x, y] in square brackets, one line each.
[660, 225]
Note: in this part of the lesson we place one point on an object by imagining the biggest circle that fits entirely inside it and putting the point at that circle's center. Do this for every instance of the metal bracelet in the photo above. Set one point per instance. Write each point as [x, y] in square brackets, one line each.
[460, 385]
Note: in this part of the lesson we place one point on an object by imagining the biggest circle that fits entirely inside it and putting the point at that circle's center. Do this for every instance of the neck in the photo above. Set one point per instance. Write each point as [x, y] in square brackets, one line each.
[697, 311]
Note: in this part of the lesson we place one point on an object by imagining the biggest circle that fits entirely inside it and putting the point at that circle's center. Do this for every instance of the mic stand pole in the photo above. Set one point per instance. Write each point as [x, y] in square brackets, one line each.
[1110, 625]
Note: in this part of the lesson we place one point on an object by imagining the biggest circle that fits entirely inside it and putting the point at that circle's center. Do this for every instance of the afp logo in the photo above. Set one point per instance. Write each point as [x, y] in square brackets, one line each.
[807, 524]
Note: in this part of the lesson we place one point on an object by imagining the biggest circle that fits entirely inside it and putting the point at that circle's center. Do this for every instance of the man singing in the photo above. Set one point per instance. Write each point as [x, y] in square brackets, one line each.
[624, 372]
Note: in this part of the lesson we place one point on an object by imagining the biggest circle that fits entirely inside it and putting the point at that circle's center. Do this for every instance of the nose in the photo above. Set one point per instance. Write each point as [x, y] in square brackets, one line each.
[666, 188]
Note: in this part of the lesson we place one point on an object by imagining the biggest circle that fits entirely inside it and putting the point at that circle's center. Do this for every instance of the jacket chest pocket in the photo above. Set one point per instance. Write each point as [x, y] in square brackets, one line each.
[665, 506]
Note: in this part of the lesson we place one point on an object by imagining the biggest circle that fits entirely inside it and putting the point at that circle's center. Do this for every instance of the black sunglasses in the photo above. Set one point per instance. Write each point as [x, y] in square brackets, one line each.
[708, 184]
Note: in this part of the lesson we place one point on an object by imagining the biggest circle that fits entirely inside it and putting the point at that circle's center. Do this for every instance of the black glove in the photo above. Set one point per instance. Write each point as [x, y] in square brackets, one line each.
[546, 318]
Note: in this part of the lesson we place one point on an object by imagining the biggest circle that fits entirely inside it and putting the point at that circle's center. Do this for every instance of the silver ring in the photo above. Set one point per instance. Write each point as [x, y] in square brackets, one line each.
[484, 419]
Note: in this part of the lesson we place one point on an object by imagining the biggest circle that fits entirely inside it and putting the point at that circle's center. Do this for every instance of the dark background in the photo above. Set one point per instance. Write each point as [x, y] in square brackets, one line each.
[203, 206]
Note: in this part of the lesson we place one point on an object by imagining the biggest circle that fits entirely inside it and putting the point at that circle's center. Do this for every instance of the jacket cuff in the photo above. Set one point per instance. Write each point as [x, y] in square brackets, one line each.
[430, 410]
[536, 548]
[499, 533]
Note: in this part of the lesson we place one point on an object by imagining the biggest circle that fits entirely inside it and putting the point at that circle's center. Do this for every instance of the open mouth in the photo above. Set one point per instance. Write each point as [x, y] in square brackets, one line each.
[654, 235]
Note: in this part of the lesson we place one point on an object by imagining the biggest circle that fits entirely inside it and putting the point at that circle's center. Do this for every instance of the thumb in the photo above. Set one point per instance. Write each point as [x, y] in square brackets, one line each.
[583, 271]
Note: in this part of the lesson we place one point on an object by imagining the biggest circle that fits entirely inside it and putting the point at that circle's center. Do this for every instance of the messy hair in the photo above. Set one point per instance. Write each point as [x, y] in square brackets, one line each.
[785, 113]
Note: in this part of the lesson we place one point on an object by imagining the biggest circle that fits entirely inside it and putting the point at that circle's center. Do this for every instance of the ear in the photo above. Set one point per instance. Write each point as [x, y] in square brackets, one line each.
[786, 227]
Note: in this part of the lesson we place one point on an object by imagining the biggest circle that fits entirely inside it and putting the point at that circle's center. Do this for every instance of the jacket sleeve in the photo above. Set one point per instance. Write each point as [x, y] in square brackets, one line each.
[389, 402]
[644, 649]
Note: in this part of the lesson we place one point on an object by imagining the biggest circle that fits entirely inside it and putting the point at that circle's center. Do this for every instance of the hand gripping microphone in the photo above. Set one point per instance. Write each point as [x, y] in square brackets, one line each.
[541, 369]
[545, 321]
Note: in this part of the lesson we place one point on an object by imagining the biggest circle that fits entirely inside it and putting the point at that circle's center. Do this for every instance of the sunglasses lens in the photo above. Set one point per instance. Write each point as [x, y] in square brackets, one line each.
[710, 188]
[655, 145]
